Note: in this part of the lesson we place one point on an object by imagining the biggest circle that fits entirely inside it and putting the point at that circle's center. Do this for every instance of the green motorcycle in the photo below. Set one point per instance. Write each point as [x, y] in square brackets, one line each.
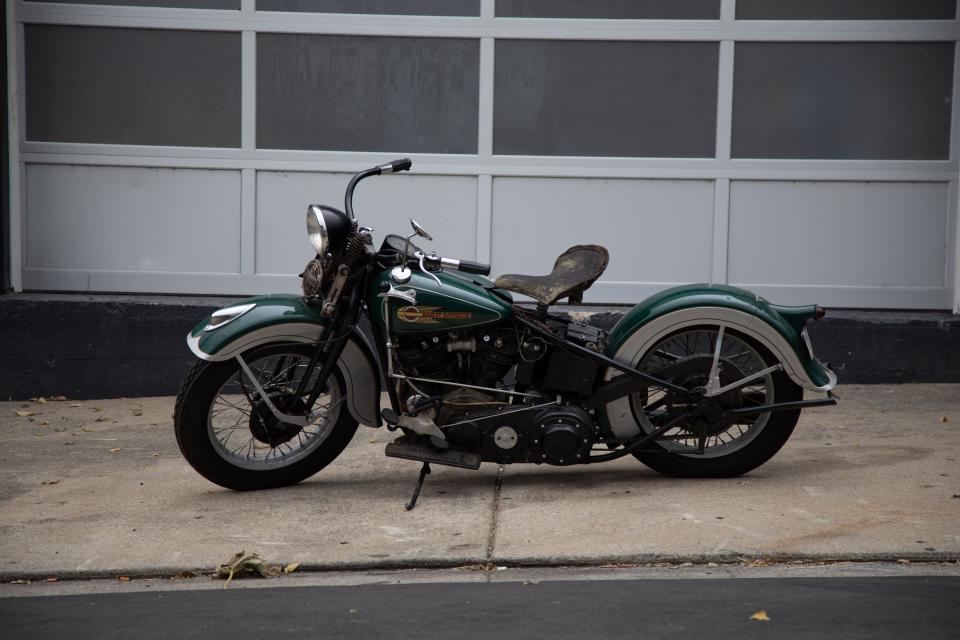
[697, 381]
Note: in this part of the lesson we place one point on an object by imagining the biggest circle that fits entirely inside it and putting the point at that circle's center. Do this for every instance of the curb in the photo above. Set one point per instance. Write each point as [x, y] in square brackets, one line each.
[481, 564]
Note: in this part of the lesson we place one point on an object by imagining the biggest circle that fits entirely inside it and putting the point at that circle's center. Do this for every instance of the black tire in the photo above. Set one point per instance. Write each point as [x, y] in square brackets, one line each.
[773, 434]
[192, 418]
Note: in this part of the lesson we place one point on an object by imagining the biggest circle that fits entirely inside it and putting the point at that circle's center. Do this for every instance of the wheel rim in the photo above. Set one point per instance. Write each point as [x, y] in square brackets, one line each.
[244, 432]
[690, 354]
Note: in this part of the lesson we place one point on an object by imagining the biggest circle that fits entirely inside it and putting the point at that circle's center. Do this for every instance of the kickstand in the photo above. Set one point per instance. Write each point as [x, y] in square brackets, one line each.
[424, 471]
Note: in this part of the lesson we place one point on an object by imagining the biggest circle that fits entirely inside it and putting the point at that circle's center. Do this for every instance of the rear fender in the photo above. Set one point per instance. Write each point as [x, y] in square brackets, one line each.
[283, 319]
[714, 305]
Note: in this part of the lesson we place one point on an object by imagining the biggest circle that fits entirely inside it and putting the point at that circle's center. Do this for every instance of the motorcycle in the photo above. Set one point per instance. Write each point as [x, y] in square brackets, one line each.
[703, 380]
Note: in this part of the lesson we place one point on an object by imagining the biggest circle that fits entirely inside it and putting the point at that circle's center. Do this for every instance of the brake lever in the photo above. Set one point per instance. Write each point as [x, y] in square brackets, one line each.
[423, 268]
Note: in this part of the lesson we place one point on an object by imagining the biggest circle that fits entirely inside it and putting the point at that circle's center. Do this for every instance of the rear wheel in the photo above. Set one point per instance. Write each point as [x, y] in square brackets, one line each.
[711, 443]
[228, 434]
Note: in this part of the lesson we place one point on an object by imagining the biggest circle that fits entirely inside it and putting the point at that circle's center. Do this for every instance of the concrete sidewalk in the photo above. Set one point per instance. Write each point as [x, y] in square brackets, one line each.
[99, 488]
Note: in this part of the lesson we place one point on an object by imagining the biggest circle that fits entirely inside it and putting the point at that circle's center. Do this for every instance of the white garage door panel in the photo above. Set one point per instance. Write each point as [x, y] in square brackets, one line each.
[657, 231]
[446, 206]
[831, 234]
[124, 218]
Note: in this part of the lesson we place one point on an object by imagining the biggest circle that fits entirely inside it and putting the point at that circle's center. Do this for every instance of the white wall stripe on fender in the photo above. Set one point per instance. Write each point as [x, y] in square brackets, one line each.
[361, 380]
[618, 412]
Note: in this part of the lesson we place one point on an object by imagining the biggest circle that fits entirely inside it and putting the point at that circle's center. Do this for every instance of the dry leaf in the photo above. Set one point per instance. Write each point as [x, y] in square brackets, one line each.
[50, 482]
[24, 414]
[760, 615]
[242, 564]
[42, 400]
[290, 568]
[943, 418]
[138, 412]
[115, 449]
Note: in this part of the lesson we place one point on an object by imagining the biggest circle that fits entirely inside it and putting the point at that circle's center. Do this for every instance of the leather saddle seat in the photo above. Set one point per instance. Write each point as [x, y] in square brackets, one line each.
[574, 271]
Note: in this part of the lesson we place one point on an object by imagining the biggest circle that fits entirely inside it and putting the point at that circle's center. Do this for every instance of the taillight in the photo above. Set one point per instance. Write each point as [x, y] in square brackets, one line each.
[819, 312]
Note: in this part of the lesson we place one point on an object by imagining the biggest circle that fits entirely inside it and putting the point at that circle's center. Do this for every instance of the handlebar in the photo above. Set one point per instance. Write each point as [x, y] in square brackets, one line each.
[403, 164]
[467, 266]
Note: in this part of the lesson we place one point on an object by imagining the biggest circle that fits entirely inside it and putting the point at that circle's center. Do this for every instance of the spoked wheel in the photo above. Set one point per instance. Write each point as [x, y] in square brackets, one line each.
[229, 434]
[711, 443]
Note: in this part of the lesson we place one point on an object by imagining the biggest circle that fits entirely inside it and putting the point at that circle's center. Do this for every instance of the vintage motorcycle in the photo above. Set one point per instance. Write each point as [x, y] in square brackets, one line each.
[702, 380]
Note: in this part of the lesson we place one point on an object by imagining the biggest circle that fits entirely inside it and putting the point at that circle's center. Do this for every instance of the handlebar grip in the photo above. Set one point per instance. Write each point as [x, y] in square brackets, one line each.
[478, 268]
[403, 164]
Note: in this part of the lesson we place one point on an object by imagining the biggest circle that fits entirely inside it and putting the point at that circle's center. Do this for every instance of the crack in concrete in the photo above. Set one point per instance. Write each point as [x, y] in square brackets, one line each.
[494, 516]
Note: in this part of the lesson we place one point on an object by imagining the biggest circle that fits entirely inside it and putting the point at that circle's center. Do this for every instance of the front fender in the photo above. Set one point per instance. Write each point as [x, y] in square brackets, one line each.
[287, 318]
[779, 329]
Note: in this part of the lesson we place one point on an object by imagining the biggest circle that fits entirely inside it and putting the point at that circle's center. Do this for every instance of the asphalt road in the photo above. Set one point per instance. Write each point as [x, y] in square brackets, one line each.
[887, 607]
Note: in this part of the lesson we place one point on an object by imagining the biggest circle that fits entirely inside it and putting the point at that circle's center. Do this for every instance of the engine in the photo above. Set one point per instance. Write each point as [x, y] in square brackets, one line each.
[478, 357]
[542, 428]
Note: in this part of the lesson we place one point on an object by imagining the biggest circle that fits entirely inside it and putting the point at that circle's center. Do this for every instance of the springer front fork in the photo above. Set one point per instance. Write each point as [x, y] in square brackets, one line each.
[327, 352]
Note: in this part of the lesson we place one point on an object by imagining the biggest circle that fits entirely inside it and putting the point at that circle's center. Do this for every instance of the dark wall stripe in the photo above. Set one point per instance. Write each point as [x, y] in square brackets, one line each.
[357, 93]
[637, 99]
[635, 9]
[185, 4]
[394, 7]
[846, 9]
[845, 100]
[132, 86]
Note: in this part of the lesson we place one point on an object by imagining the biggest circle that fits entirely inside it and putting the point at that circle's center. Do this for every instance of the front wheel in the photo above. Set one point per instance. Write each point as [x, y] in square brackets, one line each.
[710, 443]
[228, 434]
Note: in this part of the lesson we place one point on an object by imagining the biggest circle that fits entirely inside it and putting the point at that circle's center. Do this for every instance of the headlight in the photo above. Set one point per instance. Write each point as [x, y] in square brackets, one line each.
[317, 230]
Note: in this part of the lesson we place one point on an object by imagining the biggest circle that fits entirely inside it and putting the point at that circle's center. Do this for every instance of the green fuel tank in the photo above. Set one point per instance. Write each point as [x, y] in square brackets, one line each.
[459, 301]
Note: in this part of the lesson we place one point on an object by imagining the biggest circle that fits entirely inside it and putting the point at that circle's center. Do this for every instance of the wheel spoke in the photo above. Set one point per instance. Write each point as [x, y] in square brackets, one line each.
[705, 357]
[222, 400]
[235, 430]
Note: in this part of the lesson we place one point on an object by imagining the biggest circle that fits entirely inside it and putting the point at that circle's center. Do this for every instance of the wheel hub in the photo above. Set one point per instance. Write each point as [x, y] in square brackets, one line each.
[708, 413]
[266, 427]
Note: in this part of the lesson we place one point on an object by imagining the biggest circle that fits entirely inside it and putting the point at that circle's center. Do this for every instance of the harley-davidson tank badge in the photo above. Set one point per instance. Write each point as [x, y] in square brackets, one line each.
[430, 315]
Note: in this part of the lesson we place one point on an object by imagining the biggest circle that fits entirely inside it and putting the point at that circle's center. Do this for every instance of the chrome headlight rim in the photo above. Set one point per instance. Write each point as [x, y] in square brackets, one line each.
[317, 230]
[224, 316]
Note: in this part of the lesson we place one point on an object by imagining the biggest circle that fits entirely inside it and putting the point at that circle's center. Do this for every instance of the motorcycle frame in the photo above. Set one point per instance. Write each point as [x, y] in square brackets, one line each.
[347, 316]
